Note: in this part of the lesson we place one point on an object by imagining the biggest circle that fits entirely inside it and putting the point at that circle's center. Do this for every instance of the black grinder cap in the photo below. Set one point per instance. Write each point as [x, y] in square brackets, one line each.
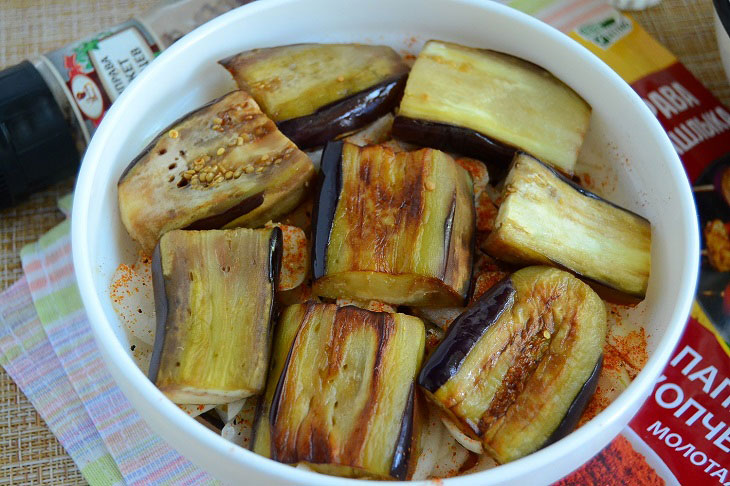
[36, 145]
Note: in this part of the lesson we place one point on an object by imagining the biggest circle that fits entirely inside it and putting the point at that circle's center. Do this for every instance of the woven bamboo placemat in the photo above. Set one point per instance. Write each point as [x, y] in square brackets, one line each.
[29, 453]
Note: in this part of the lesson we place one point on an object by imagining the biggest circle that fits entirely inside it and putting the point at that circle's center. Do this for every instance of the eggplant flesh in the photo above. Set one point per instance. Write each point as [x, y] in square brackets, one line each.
[316, 92]
[545, 218]
[223, 165]
[294, 81]
[575, 411]
[345, 116]
[487, 103]
[517, 368]
[340, 395]
[393, 227]
[214, 303]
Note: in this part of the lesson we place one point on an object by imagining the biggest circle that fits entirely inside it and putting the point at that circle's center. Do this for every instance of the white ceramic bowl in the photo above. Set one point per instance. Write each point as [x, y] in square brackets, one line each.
[625, 145]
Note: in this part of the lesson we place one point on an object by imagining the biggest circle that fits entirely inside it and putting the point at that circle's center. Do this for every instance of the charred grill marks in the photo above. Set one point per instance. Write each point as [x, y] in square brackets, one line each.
[509, 381]
[402, 228]
[384, 217]
[530, 354]
[311, 442]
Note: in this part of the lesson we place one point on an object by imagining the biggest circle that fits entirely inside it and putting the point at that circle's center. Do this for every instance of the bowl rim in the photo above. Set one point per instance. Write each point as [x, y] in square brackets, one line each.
[129, 377]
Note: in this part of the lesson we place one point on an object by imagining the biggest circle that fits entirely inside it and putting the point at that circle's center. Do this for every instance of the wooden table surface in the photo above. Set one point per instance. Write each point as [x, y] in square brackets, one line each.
[29, 453]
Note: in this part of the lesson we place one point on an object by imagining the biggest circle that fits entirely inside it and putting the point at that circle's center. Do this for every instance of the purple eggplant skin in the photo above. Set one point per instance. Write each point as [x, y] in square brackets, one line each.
[572, 416]
[276, 243]
[451, 138]
[325, 205]
[220, 220]
[401, 457]
[464, 333]
[345, 115]
[276, 251]
[158, 289]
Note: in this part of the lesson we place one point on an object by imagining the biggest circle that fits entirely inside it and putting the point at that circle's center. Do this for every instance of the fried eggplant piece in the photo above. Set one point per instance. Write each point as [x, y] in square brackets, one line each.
[394, 227]
[486, 104]
[317, 92]
[340, 396]
[516, 370]
[295, 256]
[545, 218]
[223, 165]
[214, 302]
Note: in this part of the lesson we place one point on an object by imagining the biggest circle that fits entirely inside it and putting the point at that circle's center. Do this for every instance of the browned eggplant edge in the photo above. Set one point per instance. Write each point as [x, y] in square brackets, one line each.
[402, 452]
[574, 412]
[453, 138]
[161, 305]
[464, 333]
[325, 205]
[345, 115]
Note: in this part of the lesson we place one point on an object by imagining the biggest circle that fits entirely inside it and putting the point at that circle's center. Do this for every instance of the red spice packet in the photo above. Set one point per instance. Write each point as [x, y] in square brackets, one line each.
[682, 433]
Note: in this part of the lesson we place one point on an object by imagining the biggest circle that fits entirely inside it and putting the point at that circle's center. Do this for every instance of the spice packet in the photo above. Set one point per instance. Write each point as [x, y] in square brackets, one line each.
[680, 435]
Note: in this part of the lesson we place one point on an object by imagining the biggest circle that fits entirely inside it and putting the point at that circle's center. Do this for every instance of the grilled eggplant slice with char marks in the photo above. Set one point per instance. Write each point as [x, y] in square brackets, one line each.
[214, 302]
[393, 227]
[317, 92]
[545, 218]
[223, 165]
[517, 368]
[340, 396]
[486, 104]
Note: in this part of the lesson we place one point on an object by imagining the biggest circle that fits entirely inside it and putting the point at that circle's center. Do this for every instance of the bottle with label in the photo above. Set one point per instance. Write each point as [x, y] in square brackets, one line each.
[51, 105]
